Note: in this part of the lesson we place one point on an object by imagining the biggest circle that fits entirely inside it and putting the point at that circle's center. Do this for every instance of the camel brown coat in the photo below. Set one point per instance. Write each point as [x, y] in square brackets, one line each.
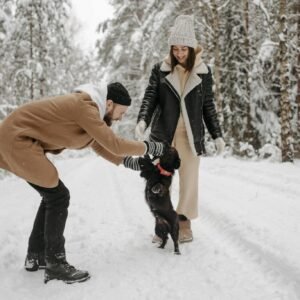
[51, 125]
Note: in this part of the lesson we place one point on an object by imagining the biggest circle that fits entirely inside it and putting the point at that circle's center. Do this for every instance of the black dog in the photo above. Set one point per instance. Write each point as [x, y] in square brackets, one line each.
[158, 174]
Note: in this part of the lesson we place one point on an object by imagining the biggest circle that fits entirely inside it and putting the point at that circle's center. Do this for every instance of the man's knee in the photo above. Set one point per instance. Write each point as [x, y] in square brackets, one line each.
[63, 195]
[58, 196]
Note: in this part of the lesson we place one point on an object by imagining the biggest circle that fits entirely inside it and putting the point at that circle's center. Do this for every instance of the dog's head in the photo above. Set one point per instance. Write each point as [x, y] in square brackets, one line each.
[166, 164]
[170, 160]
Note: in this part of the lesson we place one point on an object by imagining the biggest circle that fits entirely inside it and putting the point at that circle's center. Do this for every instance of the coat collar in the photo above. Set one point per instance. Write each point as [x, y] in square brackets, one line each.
[97, 94]
[193, 79]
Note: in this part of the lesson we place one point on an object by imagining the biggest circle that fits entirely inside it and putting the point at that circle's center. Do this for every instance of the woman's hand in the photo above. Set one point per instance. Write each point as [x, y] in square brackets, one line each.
[220, 145]
[140, 130]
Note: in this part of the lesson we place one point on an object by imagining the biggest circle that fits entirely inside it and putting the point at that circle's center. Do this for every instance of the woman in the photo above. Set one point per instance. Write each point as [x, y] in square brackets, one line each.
[180, 94]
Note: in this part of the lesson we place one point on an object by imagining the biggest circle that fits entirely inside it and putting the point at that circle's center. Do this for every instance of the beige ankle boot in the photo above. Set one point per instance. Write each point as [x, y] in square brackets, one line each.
[185, 231]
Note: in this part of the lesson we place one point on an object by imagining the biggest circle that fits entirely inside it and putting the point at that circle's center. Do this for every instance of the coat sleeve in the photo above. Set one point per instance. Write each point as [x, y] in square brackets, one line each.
[89, 120]
[115, 159]
[209, 110]
[151, 96]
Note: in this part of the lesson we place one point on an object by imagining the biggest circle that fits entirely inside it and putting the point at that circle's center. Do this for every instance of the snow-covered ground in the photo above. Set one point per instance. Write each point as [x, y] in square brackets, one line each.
[246, 246]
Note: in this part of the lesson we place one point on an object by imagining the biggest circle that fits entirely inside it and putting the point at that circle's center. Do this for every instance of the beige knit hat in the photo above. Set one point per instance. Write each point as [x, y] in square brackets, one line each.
[183, 32]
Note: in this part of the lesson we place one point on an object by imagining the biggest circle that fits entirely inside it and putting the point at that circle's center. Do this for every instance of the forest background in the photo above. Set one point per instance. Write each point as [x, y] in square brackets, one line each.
[252, 46]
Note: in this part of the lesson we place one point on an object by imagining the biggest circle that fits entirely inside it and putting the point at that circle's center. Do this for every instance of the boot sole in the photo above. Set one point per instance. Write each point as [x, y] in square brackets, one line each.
[79, 280]
[35, 269]
[186, 241]
[70, 281]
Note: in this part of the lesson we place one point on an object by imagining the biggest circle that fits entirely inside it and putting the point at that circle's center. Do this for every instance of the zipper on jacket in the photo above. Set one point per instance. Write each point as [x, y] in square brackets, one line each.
[173, 90]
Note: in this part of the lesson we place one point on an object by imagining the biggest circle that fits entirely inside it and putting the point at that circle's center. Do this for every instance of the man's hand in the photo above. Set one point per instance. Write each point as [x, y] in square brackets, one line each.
[140, 130]
[220, 145]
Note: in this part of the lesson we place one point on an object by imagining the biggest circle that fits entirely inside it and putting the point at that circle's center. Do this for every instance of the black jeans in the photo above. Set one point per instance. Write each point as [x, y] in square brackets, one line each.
[48, 228]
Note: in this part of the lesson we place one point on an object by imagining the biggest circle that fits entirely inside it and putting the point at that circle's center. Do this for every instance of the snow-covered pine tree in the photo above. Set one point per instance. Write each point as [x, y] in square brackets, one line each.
[6, 20]
[265, 87]
[37, 48]
[237, 60]
[6, 12]
[132, 41]
[38, 56]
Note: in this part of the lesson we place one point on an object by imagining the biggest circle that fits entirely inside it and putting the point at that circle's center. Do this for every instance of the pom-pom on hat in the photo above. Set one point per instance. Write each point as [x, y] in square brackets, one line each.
[183, 32]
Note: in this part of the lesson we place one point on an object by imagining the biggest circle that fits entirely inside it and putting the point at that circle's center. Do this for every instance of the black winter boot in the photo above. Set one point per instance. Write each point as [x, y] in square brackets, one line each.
[34, 261]
[60, 269]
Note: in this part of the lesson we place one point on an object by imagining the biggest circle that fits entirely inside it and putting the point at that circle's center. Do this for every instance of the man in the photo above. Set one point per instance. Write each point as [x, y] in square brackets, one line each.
[72, 121]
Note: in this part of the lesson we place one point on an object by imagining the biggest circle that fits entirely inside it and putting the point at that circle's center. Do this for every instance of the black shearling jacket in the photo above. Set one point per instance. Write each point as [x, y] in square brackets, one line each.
[162, 105]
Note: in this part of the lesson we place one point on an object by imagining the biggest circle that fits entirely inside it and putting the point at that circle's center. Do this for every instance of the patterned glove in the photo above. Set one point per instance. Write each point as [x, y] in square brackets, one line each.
[155, 148]
[132, 163]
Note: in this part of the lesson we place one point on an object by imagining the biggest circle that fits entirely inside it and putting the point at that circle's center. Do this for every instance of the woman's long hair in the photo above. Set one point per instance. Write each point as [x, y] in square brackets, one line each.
[190, 62]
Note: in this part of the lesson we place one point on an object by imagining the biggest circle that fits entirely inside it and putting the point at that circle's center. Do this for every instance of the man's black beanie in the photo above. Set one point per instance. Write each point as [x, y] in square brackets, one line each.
[118, 94]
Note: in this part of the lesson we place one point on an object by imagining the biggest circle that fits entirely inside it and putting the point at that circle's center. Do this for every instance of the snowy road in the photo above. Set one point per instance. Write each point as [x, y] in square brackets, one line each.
[247, 239]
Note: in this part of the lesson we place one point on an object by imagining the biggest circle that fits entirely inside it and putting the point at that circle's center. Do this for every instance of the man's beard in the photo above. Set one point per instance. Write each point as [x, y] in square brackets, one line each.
[107, 119]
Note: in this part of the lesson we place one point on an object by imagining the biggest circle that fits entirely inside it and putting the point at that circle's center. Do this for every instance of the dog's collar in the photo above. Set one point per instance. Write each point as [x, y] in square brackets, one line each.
[163, 171]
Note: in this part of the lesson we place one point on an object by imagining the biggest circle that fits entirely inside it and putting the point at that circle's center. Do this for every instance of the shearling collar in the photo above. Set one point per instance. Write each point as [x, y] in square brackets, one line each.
[199, 67]
[193, 79]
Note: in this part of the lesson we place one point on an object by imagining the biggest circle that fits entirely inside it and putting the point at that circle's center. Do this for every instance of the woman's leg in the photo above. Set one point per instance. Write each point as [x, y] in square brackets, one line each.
[188, 175]
[187, 208]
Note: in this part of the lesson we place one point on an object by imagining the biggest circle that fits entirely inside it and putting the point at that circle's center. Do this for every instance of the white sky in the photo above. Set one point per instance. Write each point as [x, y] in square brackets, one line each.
[90, 13]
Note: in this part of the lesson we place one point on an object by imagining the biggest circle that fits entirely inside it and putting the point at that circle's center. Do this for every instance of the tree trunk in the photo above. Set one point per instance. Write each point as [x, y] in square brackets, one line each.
[297, 11]
[247, 63]
[217, 59]
[31, 25]
[250, 134]
[285, 106]
[41, 48]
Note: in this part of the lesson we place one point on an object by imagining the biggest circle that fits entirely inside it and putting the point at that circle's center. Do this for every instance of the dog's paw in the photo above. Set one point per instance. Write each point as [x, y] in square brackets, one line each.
[176, 251]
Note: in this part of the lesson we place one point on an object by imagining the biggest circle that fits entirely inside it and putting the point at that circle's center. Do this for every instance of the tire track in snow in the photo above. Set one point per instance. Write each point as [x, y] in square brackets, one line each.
[275, 268]
[256, 178]
[272, 216]
[262, 168]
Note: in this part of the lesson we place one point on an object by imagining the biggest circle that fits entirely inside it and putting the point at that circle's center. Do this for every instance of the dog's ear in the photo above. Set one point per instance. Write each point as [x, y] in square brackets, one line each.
[145, 163]
[146, 167]
[177, 163]
[147, 156]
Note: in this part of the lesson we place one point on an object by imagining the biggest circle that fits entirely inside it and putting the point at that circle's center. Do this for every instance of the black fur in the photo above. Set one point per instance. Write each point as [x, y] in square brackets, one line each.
[157, 194]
